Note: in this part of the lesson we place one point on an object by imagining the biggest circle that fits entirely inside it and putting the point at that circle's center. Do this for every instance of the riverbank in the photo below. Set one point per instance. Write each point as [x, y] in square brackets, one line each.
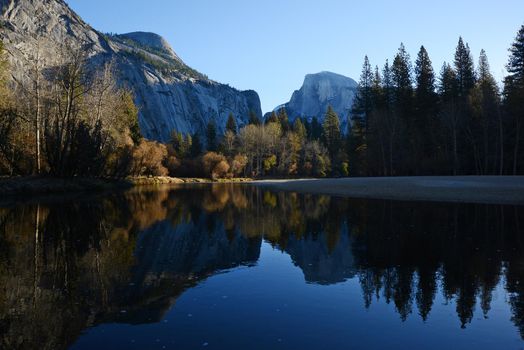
[465, 189]
[20, 186]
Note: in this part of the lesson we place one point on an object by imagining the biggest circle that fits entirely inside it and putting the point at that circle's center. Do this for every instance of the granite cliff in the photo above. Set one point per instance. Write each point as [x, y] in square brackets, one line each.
[169, 94]
[318, 92]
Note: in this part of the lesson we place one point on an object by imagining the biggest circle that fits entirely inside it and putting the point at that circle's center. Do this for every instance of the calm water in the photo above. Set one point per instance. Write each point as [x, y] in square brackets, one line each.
[234, 267]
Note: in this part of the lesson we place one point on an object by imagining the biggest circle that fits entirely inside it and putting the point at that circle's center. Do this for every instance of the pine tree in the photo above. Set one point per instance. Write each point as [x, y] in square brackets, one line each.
[273, 118]
[403, 87]
[485, 129]
[363, 104]
[331, 132]
[361, 112]
[514, 98]
[300, 130]
[211, 136]
[402, 81]
[376, 88]
[283, 119]
[316, 129]
[253, 118]
[389, 117]
[516, 60]
[376, 131]
[231, 124]
[425, 95]
[187, 146]
[196, 146]
[426, 104]
[448, 93]
[177, 141]
[464, 69]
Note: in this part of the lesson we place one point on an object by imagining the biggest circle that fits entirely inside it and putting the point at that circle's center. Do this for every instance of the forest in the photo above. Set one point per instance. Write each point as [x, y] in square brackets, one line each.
[72, 119]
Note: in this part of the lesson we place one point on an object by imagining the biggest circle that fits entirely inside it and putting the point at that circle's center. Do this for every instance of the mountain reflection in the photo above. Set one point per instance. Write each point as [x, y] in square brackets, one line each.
[127, 257]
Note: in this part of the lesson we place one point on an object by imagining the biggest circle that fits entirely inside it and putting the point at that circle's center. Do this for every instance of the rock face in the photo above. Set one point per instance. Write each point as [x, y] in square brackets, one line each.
[170, 95]
[320, 263]
[318, 92]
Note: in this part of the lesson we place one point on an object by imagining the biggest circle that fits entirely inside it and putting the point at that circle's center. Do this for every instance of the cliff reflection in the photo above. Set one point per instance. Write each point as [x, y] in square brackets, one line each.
[128, 257]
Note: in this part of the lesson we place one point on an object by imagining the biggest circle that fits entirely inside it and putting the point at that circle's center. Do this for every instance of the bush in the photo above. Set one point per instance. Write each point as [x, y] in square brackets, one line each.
[238, 164]
[171, 162]
[148, 159]
[221, 170]
[215, 165]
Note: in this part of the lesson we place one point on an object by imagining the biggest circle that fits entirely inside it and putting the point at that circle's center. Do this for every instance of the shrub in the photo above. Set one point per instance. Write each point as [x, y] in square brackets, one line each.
[215, 165]
[148, 158]
[238, 164]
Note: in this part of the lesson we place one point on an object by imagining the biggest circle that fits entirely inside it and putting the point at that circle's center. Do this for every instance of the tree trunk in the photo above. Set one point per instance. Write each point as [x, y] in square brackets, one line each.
[454, 150]
[501, 146]
[37, 121]
[516, 147]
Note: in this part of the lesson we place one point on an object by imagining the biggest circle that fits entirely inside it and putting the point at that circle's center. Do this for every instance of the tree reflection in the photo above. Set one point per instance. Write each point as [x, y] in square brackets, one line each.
[128, 257]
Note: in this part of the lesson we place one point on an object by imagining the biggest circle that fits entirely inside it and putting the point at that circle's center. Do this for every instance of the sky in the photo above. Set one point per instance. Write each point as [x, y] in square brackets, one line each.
[270, 45]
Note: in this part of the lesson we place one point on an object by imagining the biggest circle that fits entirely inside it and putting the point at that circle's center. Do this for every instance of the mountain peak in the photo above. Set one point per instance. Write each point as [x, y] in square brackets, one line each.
[333, 78]
[152, 41]
[319, 91]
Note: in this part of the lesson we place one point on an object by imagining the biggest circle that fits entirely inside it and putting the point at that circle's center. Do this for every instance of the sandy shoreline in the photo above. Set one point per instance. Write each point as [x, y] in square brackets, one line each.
[466, 189]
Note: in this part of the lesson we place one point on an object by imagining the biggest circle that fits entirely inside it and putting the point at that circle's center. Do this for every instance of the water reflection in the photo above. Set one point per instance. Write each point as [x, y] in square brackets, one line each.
[127, 258]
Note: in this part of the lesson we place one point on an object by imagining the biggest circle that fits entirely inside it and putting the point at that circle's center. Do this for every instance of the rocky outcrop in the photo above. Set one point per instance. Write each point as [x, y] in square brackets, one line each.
[321, 263]
[318, 92]
[170, 95]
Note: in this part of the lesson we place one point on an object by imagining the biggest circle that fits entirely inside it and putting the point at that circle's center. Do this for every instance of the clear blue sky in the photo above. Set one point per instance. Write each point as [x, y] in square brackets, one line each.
[270, 45]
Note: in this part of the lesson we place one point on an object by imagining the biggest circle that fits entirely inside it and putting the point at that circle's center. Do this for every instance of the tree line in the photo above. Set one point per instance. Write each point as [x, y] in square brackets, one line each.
[70, 118]
[406, 120]
[409, 121]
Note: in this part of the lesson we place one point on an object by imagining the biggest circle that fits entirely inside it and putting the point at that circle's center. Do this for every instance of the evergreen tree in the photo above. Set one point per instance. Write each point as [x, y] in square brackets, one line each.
[187, 145]
[426, 104]
[331, 133]
[376, 163]
[376, 88]
[464, 69]
[316, 129]
[231, 124]
[403, 87]
[448, 93]
[516, 60]
[300, 130]
[361, 113]
[283, 119]
[253, 118]
[389, 118]
[425, 94]
[196, 146]
[273, 118]
[363, 104]
[177, 141]
[211, 136]
[514, 99]
[448, 84]
[485, 129]
[402, 82]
